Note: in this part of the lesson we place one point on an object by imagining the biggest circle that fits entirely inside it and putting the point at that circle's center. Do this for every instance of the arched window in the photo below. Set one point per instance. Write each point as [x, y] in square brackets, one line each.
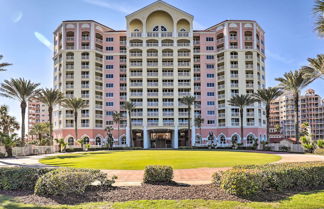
[222, 139]
[249, 139]
[163, 28]
[70, 141]
[136, 30]
[182, 30]
[234, 139]
[86, 140]
[156, 28]
[98, 140]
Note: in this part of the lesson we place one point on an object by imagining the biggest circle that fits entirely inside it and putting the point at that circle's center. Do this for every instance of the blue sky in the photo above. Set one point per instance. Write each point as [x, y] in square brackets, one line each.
[26, 28]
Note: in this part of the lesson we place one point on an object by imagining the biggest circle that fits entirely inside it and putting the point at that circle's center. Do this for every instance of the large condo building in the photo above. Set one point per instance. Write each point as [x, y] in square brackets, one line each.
[37, 113]
[282, 115]
[156, 61]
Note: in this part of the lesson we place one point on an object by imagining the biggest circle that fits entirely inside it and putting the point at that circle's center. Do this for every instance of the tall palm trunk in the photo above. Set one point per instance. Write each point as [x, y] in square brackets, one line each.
[130, 129]
[267, 115]
[76, 124]
[241, 121]
[189, 129]
[50, 118]
[118, 131]
[297, 115]
[23, 106]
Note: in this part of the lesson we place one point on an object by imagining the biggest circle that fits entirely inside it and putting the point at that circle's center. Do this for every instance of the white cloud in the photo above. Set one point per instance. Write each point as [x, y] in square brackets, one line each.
[198, 26]
[109, 5]
[43, 40]
[279, 57]
[17, 17]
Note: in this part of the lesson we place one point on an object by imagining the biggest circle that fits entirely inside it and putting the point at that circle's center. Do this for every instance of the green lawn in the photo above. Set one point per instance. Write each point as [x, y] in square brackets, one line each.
[178, 159]
[314, 200]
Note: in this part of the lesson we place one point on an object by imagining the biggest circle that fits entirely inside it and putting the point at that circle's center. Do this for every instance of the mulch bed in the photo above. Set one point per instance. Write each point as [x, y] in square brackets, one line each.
[120, 194]
[147, 192]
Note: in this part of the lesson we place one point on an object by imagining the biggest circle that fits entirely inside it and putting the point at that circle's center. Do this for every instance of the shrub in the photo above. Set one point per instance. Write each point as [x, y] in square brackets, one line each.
[73, 150]
[20, 178]
[284, 148]
[65, 181]
[320, 143]
[158, 174]
[319, 151]
[247, 181]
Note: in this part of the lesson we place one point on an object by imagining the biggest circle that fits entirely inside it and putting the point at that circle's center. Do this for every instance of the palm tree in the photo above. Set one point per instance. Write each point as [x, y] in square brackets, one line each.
[294, 82]
[315, 69]
[117, 118]
[3, 64]
[75, 104]
[267, 96]
[9, 141]
[129, 107]
[198, 121]
[241, 101]
[189, 101]
[50, 97]
[8, 124]
[318, 11]
[22, 90]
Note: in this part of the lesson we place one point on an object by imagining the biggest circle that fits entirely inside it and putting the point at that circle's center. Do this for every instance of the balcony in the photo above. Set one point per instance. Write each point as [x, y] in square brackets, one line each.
[152, 94]
[181, 94]
[221, 124]
[98, 87]
[168, 104]
[183, 54]
[183, 34]
[69, 115]
[221, 86]
[152, 74]
[221, 77]
[85, 47]
[221, 105]
[235, 123]
[167, 74]
[234, 66]
[235, 114]
[184, 84]
[152, 64]
[168, 113]
[166, 34]
[152, 114]
[153, 34]
[249, 76]
[167, 94]
[249, 66]
[152, 44]
[167, 84]
[135, 123]
[183, 123]
[135, 54]
[249, 85]
[136, 34]
[220, 40]
[183, 44]
[136, 74]
[150, 123]
[69, 57]
[234, 85]
[98, 106]
[69, 86]
[136, 64]
[165, 54]
[69, 76]
[85, 67]
[136, 44]
[250, 124]
[137, 114]
[221, 96]
[234, 75]
[150, 104]
[248, 38]
[183, 114]
[136, 84]
[233, 38]
[98, 97]
[138, 104]
[152, 54]
[248, 57]
[167, 64]
[168, 123]
[153, 84]
[69, 66]
[99, 59]
[85, 38]
[221, 115]
[85, 86]
[183, 74]
[248, 47]
[250, 114]
[167, 44]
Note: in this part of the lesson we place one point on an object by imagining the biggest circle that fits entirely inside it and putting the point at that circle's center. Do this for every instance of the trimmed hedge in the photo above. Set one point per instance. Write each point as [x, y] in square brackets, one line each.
[247, 181]
[158, 174]
[20, 178]
[65, 181]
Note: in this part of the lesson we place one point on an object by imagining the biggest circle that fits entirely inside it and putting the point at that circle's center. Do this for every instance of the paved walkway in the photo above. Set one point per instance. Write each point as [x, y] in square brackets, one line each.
[134, 177]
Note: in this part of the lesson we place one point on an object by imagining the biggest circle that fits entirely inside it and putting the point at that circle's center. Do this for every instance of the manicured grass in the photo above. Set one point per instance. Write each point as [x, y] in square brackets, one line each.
[313, 200]
[137, 160]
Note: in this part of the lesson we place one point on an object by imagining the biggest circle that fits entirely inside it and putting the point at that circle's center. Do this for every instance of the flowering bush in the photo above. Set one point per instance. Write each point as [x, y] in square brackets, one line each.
[65, 181]
[158, 174]
[247, 181]
[20, 178]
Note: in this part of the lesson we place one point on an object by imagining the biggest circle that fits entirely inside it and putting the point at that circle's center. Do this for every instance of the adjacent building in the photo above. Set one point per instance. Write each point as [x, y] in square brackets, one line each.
[157, 60]
[282, 116]
[37, 112]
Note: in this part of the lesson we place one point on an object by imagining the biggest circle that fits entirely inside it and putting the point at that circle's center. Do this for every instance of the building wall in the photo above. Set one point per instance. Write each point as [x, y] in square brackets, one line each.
[122, 65]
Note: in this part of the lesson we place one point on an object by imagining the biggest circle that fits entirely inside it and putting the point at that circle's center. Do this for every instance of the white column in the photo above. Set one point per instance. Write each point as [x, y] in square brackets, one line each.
[241, 36]
[226, 34]
[175, 138]
[63, 37]
[254, 36]
[92, 36]
[193, 135]
[127, 136]
[175, 33]
[145, 138]
[77, 37]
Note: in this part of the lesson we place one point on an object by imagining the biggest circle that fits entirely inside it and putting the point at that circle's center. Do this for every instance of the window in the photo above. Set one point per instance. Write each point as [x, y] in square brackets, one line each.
[156, 28]
[109, 113]
[109, 57]
[109, 85]
[222, 139]
[210, 57]
[210, 112]
[163, 28]
[109, 75]
[110, 94]
[86, 140]
[209, 48]
[209, 38]
[210, 94]
[210, 103]
[210, 121]
[70, 141]
[109, 67]
[110, 39]
[210, 84]
[210, 66]
[250, 139]
[210, 75]
[109, 104]
[109, 48]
